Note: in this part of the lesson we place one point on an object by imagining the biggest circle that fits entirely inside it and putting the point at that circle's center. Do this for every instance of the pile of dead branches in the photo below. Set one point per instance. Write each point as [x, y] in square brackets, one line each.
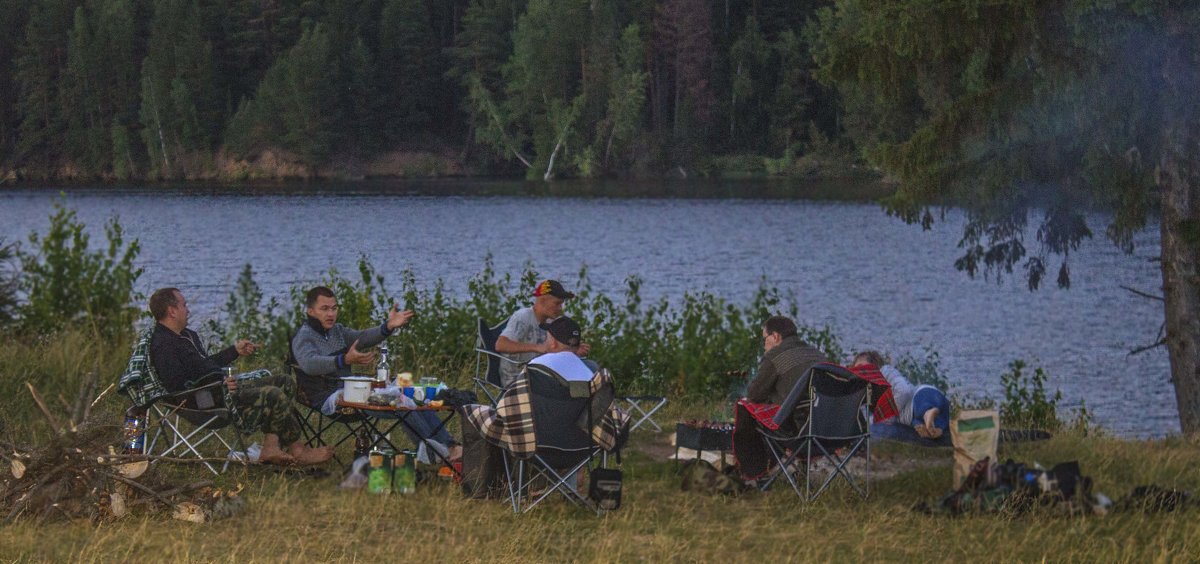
[80, 474]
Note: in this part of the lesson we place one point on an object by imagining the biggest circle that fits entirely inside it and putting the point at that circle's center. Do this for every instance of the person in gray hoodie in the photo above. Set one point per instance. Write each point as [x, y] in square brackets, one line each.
[325, 351]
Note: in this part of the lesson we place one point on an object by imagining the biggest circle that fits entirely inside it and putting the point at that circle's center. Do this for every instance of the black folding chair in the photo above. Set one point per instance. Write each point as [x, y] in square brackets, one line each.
[828, 410]
[488, 361]
[564, 447]
[347, 423]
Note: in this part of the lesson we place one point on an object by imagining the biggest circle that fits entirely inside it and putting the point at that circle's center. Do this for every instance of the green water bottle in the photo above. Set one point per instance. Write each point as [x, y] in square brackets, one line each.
[404, 468]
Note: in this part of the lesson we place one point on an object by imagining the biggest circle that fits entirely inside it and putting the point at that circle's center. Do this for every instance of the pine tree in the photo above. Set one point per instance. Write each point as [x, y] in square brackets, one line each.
[100, 84]
[12, 25]
[296, 105]
[682, 88]
[40, 63]
[749, 85]
[410, 66]
[181, 106]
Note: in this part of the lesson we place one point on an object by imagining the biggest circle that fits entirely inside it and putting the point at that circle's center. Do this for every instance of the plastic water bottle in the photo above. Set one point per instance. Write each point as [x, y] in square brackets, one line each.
[135, 431]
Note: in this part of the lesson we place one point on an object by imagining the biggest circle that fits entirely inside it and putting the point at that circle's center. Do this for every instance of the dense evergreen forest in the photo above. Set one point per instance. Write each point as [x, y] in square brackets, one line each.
[157, 89]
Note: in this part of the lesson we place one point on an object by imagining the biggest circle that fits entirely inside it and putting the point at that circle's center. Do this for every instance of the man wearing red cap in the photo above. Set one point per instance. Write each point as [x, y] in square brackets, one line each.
[524, 338]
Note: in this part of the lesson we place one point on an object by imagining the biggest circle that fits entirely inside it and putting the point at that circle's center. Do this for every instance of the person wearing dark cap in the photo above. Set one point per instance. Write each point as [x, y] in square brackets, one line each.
[524, 338]
[564, 338]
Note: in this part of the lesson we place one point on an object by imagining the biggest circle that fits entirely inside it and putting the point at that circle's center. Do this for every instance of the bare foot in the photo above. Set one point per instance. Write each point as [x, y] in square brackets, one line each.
[454, 453]
[922, 431]
[275, 456]
[306, 456]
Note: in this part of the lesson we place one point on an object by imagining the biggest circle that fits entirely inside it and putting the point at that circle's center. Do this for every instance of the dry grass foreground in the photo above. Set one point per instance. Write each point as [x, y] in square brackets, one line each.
[296, 519]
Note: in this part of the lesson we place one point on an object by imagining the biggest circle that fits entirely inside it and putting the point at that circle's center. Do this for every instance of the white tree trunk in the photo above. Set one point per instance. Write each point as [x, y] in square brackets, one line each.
[550, 167]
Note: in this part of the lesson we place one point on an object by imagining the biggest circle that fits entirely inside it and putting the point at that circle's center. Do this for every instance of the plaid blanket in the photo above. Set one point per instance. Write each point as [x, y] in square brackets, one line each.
[750, 449]
[885, 404]
[510, 423]
[139, 382]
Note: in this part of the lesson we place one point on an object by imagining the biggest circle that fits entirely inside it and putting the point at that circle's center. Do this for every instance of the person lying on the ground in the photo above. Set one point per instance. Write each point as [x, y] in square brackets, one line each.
[326, 351]
[924, 409]
[786, 360]
[524, 337]
[263, 403]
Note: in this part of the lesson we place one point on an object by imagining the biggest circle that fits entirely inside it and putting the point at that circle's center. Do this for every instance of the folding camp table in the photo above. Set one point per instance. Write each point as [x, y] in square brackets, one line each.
[379, 423]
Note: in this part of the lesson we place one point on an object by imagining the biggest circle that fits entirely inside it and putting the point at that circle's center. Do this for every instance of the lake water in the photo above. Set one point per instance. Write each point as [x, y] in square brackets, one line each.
[877, 282]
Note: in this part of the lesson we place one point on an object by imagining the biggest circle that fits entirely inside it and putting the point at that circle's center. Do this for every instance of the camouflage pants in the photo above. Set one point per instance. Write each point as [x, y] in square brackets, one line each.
[265, 404]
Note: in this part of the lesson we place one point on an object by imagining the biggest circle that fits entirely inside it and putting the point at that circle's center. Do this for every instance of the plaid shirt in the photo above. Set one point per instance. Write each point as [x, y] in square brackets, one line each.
[510, 423]
[139, 381]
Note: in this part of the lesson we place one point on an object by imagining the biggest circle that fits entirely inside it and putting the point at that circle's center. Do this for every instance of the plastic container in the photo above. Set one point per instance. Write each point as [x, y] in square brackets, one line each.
[356, 389]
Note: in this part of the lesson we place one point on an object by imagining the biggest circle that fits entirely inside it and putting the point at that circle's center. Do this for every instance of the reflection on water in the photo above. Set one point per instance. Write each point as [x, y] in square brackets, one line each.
[877, 282]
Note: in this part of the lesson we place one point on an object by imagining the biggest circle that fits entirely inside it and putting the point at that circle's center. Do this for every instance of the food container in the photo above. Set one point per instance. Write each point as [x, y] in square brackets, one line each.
[356, 389]
[404, 379]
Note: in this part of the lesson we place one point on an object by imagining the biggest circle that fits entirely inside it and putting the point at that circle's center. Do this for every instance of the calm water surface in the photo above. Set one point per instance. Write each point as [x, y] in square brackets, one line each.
[876, 281]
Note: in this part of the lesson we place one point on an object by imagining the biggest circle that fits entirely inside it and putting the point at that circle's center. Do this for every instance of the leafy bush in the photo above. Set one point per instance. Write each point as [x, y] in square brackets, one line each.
[1026, 402]
[8, 283]
[65, 283]
[927, 370]
[685, 349]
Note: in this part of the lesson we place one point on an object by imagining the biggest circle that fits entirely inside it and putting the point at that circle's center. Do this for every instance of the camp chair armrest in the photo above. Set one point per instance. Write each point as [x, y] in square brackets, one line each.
[499, 356]
[204, 387]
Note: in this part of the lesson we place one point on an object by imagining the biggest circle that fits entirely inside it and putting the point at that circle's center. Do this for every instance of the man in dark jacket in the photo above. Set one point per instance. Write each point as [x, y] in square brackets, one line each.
[182, 363]
[786, 360]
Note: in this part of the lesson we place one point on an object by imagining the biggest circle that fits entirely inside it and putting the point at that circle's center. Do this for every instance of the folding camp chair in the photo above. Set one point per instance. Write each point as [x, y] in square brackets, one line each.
[184, 423]
[828, 410]
[488, 361]
[564, 447]
[643, 408]
[346, 423]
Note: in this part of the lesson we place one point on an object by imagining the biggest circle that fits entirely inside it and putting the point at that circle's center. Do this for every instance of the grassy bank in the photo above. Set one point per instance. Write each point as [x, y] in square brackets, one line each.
[296, 519]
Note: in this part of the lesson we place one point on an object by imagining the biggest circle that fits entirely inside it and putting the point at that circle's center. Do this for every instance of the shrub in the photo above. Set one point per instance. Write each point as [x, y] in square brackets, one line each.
[927, 370]
[684, 349]
[8, 283]
[1026, 402]
[66, 283]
